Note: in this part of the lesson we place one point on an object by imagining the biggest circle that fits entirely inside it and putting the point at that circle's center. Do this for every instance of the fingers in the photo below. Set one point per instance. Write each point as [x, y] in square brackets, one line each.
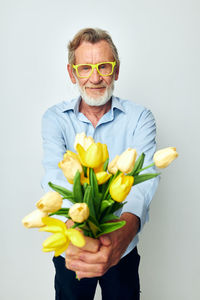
[102, 256]
[89, 270]
[105, 240]
[91, 245]
[69, 223]
[87, 264]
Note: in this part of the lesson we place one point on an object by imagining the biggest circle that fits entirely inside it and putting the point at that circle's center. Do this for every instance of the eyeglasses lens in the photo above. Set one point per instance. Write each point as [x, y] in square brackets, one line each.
[104, 69]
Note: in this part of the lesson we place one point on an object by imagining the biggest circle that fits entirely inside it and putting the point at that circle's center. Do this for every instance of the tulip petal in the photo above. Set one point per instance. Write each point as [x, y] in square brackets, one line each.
[55, 240]
[112, 166]
[120, 187]
[75, 237]
[51, 228]
[70, 153]
[105, 152]
[102, 177]
[54, 222]
[62, 249]
[81, 154]
[162, 158]
[34, 219]
[94, 155]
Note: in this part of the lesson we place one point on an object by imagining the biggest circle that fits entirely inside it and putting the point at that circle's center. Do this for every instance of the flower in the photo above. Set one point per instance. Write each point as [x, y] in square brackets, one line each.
[34, 219]
[70, 165]
[83, 140]
[50, 202]
[70, 153]
[112, 167]
[79, 212]
[120, 187]
[61, 237]
[94, 156]
[126, 161]
[102, 177]
[164, 157]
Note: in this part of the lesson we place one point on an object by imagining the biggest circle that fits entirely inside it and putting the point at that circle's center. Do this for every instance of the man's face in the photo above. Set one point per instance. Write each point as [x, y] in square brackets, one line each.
[97, 89]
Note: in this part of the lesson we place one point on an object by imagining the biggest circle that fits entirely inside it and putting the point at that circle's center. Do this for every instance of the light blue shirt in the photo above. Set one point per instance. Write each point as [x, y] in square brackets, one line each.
[125, 125]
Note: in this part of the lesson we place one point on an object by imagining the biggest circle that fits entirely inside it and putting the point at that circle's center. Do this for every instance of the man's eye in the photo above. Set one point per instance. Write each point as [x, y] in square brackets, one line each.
[103, 66]
[86, 68]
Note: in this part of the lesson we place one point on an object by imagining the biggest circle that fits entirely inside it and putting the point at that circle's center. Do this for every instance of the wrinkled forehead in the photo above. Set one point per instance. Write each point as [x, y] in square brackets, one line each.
[89, 53]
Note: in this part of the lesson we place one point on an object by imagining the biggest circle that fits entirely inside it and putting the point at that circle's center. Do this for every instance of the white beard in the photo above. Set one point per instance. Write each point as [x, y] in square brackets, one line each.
[96, 101]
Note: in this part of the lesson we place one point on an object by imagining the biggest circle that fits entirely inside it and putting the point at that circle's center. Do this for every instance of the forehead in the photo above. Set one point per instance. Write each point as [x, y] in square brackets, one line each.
[93, 53]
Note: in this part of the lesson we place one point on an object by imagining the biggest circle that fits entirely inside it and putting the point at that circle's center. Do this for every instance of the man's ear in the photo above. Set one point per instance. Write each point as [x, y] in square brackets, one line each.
[117, 73]
[71, 73]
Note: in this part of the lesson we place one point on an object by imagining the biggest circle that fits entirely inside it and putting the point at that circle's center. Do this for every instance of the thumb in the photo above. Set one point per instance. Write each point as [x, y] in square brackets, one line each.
[105, 240]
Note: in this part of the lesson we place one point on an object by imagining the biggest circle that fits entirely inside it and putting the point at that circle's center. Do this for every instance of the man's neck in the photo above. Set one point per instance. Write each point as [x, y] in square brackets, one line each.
[94, 113]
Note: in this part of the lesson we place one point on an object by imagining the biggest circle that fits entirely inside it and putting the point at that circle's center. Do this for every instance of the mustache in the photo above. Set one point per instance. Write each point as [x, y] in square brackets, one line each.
[95, 86]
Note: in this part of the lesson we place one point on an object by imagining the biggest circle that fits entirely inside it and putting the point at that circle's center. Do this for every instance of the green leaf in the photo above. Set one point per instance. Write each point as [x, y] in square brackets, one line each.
[87, 195]
[77, 188]
[104, 188]
[144, 177]
[62, 191]
[85, 171]
[75, 225]
[138, 165]
[105, 204]
[94, 228]
[84, 226]
[93, 220]
[85, 186]
[109, 183]
[88, 199]
[95, 191]
[105, 165]
[108, 218]
[116, 206]
[93, 182]
[61, 212]
[110, 227]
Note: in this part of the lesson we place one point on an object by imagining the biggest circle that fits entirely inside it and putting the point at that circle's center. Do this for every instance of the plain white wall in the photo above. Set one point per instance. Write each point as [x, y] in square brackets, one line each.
[158, 43]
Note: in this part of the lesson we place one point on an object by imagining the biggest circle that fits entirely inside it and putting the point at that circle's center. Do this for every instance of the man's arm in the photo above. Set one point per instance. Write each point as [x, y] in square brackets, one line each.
[112, 247]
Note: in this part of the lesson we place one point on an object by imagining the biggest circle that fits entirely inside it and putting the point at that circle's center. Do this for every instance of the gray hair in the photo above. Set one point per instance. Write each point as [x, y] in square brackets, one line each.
[92, 35]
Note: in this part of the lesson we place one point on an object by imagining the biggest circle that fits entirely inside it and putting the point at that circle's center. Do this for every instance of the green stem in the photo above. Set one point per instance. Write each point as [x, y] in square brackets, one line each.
[107, 191]
[149, 166]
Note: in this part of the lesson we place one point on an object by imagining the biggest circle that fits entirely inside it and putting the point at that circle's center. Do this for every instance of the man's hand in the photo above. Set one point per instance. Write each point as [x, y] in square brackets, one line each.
[97, 256]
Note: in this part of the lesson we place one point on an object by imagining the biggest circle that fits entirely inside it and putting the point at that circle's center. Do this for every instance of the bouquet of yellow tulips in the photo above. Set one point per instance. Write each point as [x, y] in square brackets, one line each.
[99, 190]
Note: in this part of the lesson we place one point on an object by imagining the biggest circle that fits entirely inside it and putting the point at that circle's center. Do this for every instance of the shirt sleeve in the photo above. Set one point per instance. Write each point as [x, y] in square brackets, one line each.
[54, 147]
[140, 196]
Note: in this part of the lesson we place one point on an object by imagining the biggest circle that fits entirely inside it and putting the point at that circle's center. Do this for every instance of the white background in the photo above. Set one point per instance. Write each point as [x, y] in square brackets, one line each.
[158, 43]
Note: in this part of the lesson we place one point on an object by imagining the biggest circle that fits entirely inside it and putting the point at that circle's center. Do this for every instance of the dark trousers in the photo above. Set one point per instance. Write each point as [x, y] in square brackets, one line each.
[120, 282]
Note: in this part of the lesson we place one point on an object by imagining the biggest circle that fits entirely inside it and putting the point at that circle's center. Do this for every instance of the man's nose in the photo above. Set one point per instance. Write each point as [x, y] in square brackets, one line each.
[95, 77]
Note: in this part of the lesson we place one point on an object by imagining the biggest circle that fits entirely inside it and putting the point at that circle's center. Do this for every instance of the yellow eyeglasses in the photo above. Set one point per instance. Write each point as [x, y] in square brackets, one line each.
[103, 68]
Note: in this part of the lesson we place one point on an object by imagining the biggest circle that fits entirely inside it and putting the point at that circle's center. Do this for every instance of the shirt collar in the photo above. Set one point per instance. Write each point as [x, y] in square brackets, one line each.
[74, 105]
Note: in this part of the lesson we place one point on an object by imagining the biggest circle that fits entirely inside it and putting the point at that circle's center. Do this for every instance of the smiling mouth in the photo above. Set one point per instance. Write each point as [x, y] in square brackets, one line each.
[95, 87]
[98, 89]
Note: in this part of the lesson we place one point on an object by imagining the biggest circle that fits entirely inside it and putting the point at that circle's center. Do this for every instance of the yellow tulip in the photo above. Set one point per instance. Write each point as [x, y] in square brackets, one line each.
[112, 167]
[102, 177]
[79, 212]
[120, 187]
[126, 161]
[61, 237]
[70, 165]
[164, 157]
[83, 140]
[34, 219]
[94, 156]
[50, 202]
[70, 153]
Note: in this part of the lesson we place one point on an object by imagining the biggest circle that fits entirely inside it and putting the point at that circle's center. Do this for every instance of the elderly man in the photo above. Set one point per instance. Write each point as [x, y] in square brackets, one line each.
[112, 260]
